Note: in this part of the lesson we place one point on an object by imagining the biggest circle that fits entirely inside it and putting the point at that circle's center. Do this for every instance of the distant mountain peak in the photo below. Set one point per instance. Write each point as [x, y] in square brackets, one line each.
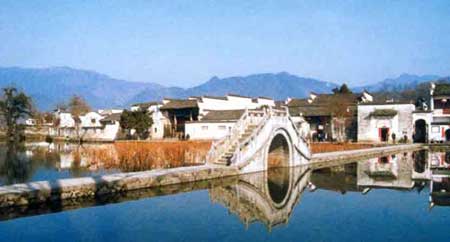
[402, 82]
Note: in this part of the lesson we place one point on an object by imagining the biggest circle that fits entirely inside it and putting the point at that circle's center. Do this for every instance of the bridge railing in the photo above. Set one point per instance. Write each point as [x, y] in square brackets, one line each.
[249, 117]
[221, 146]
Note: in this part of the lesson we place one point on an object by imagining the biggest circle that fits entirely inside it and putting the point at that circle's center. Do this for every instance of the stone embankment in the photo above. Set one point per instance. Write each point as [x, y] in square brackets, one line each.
[73, 188]
[362, 153]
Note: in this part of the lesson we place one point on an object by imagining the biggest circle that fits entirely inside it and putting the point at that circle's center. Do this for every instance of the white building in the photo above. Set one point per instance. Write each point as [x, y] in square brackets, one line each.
[214, 125]
[437, 121]
[206, 117]
[378, 122]
[89, 127]
[159, 120]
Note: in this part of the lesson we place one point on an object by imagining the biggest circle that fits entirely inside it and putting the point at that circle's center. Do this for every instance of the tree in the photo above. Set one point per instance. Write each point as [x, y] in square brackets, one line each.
[78, 106]
[342, 90]
[14, 106]
[139, 120]
[341, 106]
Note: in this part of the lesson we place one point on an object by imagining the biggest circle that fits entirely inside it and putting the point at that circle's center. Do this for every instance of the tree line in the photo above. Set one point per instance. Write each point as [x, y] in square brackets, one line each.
[16, 107]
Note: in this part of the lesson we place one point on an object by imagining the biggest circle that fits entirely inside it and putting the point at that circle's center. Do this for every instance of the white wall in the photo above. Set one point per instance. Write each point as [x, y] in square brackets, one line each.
[202, 130]
[231, 103]
[91, 119]
[65, 120]
[400, 124]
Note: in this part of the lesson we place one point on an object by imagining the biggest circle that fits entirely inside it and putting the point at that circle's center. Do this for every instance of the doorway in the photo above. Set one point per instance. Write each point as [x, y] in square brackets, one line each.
[447, 135]
[383, 134]
[420, 131]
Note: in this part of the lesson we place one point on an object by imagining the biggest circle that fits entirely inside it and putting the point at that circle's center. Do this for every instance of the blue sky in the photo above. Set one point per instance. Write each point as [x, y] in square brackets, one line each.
[187, 42]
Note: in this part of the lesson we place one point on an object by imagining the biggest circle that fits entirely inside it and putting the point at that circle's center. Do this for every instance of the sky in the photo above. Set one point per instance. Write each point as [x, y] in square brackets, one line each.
[185, 43]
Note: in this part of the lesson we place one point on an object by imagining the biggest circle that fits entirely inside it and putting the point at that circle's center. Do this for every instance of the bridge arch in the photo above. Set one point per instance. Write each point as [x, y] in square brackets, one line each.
[279, 157]
[257, 138]
[279, 152]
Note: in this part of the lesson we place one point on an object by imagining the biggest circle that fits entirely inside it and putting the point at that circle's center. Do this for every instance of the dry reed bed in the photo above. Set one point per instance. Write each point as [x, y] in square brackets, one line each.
[138, 156]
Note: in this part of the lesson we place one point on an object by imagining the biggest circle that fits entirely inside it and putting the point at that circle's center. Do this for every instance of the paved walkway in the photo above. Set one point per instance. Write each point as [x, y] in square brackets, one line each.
[360, 153]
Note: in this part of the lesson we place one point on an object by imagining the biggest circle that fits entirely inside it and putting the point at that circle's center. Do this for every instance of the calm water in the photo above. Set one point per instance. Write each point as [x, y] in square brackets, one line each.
[395, 198]
[43, 161]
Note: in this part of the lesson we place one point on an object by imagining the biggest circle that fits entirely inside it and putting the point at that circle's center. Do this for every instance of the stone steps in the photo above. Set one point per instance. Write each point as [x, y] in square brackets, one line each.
[226, 157]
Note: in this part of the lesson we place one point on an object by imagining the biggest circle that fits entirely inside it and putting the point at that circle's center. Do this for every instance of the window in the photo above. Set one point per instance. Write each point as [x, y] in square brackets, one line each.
[156, 130]
[435, 129]
[204, 128]
[222, 127]
[93, 120]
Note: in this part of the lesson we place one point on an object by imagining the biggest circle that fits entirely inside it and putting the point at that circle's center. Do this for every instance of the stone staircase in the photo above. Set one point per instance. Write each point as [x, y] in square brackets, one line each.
[222, 151]
[252, 135]
[225, 158]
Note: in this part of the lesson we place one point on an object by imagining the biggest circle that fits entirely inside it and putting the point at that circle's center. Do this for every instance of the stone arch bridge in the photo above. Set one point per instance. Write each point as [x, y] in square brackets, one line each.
[261, 139]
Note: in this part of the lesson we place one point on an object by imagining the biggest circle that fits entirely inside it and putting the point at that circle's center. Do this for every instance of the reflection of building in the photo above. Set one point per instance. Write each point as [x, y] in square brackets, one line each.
[386, 172]
[268, 197]
[439, 163]
[440, 190]
[439, 160]
[421, 169]
[340, 179]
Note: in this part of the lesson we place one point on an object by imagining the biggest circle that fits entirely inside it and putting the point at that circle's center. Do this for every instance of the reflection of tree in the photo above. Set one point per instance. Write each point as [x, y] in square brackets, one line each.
[76, 169]
[15, 167]
[419, 160]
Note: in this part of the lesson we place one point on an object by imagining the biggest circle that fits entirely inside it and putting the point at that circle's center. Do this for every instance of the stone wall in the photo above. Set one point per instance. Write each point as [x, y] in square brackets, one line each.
[47, 191]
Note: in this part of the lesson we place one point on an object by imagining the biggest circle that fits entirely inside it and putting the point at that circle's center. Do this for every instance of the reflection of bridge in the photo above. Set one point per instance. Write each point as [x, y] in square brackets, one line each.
[254, 136]
[267, 197]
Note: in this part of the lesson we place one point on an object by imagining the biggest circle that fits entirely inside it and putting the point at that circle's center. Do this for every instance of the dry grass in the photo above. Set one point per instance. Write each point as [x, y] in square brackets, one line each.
[138, 156]
[330, 147]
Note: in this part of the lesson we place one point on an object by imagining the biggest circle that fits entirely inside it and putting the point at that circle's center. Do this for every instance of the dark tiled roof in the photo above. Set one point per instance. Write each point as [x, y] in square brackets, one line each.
[383, 113]
[310, 111]
[326, 99]
[112, 117]
[237, 95]
[180, 104]
[280, 104]
[214, 97]
[323, 104]
[146, 104]
[223, 115]
[388, 102]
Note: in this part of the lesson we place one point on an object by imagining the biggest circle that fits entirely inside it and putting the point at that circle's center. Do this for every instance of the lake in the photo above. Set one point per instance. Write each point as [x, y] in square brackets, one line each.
[403, 197]
[44, 161]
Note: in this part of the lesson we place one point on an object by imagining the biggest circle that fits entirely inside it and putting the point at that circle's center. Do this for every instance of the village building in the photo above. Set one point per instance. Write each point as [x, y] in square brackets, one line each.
[330, 116]
[437, 122]
[407, 120]
[207, 117]
[214, 125]
[178, 112]
[156, 131]
[384, 121]
[91, 126]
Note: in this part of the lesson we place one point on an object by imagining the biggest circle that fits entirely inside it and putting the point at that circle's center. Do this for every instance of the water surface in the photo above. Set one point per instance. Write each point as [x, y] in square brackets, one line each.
[403, 197]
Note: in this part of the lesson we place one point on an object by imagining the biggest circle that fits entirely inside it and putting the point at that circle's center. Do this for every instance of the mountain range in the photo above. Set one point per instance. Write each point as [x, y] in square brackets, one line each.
[50, 86]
